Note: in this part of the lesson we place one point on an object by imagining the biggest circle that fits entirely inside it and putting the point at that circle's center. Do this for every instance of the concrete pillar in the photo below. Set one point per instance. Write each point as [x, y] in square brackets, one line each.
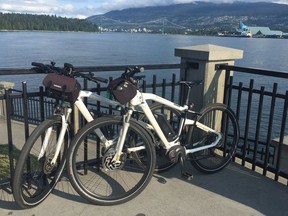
[199, 64]
[4, 86]
[284, 153]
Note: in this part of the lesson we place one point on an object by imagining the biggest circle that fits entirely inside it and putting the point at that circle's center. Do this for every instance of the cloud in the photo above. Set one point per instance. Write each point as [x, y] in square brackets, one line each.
[51, 7]
[281, 1]
[109, 5]
[35, 6]
[122, 4]
[85, 8]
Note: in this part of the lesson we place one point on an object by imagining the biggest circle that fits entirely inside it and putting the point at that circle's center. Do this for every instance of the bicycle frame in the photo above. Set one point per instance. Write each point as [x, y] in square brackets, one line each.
[86, 114]
[140, 100]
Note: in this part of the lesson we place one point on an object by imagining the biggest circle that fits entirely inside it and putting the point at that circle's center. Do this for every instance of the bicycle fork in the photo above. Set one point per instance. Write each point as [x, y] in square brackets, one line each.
[122, 136]
[64, 126]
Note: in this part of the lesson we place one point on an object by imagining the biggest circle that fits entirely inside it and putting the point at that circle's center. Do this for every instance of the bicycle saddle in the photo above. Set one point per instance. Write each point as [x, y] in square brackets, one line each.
[191, 83]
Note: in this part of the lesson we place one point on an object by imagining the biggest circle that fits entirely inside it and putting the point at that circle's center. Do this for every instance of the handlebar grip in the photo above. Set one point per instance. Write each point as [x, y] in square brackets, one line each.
[36, 64]
[39, 67]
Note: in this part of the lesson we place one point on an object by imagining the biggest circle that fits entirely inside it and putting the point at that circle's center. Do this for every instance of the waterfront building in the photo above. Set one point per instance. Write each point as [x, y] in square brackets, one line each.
[256, 31]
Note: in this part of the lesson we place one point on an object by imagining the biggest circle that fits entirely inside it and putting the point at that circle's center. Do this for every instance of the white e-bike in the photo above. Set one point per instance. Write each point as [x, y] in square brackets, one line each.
[117, 166]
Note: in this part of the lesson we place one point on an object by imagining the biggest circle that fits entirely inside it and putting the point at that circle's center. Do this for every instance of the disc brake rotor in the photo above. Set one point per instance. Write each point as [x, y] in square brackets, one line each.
[48, 167]
[108, 162]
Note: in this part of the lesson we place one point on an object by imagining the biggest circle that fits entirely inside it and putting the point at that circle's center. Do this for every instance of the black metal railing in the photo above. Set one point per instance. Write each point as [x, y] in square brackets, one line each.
[261, 112]
[261, 109]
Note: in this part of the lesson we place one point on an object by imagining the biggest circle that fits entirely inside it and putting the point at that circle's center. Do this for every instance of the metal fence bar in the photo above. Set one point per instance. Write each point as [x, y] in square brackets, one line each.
[247, 124]
[154, 84]
[239, 99]
[282, 134]
[25, 110]
[173, 87]
[9, 133]
[270, 125]
[257, 134]
[238, 109]
[41, 102]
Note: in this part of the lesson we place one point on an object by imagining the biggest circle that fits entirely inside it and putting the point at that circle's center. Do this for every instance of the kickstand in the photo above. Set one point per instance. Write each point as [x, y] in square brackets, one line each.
[188, 176]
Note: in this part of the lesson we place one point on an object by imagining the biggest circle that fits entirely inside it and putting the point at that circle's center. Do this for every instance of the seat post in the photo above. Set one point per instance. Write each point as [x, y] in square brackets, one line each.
[188, 94]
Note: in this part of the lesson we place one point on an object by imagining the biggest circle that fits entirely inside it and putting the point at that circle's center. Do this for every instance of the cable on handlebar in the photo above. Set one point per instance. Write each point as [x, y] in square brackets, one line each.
[130, 72]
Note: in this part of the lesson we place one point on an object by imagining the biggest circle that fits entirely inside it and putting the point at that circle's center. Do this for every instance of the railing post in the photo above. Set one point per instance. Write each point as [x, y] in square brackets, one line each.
[4, 86]
[199, 63]
[9, 133]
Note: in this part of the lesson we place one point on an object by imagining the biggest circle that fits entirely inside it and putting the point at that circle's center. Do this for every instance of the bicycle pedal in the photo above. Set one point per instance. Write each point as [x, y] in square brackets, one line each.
[161, 180]
[187, 176]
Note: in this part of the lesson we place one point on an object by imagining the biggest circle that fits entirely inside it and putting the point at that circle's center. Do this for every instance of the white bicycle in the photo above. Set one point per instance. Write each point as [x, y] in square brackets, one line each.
[117, 166]
[43, 156]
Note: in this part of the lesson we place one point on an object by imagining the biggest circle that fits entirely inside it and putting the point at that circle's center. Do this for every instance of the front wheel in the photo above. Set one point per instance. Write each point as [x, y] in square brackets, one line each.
[220, 118]
[91, 170]
[34, 177]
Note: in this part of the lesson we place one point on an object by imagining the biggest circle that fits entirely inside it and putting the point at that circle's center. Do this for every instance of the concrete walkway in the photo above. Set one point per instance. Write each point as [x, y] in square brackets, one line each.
[232, 192]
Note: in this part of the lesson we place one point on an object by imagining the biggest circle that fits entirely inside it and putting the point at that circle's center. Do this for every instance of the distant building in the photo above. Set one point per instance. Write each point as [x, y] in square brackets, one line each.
[253, 31]
[259, 31]
[265, 32]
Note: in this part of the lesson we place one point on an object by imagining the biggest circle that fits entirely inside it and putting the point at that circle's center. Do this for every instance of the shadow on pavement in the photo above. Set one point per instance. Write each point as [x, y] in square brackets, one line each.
[233, 191]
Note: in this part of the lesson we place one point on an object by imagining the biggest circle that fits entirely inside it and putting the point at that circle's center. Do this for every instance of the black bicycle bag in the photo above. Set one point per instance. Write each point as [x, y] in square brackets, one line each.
[61, 87]
[122, 90]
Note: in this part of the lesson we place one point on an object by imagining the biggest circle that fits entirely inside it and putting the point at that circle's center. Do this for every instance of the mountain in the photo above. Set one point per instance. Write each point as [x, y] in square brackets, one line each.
[195, 18]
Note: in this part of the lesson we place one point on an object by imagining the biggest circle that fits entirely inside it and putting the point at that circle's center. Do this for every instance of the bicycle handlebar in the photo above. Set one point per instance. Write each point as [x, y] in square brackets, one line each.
[68, 70]
[42, 67]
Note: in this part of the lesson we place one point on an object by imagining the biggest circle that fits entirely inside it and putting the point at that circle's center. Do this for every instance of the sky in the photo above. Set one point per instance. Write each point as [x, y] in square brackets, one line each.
[85, 8]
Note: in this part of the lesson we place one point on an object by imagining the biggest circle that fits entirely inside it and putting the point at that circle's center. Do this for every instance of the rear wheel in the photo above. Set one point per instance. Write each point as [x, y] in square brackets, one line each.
[34, 176]
[91, 170]
[222, 119]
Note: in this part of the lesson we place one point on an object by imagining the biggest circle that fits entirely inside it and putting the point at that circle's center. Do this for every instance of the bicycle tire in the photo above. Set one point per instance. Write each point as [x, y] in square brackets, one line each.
[33, 179]
[163, 163]
[222, 119]
[88, 162]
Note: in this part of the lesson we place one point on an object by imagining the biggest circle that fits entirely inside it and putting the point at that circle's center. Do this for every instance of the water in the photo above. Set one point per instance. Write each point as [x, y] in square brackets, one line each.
[19, 49]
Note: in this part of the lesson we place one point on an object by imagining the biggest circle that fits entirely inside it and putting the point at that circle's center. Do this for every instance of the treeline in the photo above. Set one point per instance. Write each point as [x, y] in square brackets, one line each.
[31, 22]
